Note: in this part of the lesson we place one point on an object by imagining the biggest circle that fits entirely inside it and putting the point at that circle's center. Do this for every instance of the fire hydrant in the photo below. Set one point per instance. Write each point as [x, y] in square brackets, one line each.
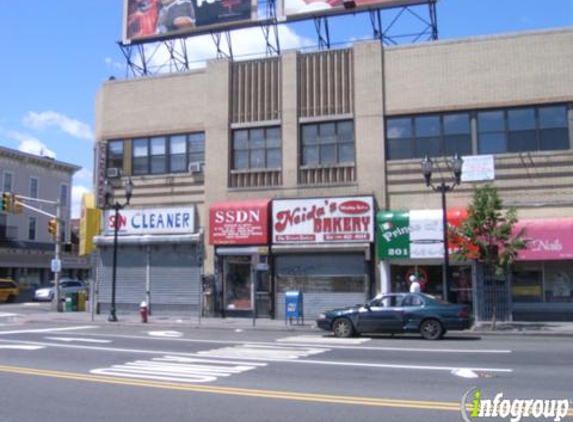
[143, 312]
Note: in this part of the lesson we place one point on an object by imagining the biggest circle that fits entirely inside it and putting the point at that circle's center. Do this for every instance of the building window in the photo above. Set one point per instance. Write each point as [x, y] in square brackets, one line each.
[433, 135]
[257, 149]
[115, 154]
[523, 129]
[32, 228]
[196, 148]
[64, 195]
[167, 154]
[8, 182]
[33, 187]
[158, 157]
[327, 143]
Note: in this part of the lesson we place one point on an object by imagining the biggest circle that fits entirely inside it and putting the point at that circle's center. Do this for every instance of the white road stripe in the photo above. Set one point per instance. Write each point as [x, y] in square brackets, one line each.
[311, 362]
[5, 315]
[84, 340]
[48, 330]
[323, 340]
[331, 345]
[21, 347]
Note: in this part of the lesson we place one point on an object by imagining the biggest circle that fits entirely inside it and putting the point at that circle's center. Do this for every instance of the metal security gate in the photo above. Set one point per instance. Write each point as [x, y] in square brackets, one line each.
[130, 277]
[327, 281]
[492, 295]
[172, 272]
[174, 277]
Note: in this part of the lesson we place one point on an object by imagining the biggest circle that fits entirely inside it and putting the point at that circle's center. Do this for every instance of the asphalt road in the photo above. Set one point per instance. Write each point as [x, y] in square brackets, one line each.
[135, 373]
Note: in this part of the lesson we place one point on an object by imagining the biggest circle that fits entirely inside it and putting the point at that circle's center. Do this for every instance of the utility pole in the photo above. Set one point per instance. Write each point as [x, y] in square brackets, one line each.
[57, 251]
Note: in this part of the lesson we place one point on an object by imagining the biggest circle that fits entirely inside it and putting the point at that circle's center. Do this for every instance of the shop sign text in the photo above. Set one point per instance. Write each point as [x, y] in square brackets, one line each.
[323, 220]
[151, 221]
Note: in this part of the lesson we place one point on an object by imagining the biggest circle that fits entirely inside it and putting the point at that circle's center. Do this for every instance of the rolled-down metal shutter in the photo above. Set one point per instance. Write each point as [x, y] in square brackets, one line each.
[130, 276]
[175, 275]
[322, 279]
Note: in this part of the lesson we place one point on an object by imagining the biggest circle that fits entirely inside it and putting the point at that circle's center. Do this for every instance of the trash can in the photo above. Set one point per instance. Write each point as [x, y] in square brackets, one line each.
[69, 307]
[82, 301]
[293, 306]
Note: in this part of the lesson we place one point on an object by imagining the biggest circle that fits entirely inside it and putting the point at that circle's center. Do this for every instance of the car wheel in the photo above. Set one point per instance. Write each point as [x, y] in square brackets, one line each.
[431, 329]
[342, 327]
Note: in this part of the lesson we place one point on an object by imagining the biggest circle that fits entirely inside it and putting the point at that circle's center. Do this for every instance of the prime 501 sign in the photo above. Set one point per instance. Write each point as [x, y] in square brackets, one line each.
[151, 221]
[348, 219]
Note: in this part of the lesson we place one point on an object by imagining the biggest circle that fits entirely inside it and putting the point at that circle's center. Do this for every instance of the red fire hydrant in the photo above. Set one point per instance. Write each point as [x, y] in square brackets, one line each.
[143, 312]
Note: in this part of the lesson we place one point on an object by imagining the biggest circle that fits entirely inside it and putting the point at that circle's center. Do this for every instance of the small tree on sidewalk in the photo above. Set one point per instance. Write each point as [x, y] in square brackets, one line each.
[490, 237]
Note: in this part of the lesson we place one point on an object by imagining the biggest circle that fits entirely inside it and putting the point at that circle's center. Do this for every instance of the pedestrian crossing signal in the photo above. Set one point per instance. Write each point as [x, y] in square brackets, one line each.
[6, 201]
[53, 228]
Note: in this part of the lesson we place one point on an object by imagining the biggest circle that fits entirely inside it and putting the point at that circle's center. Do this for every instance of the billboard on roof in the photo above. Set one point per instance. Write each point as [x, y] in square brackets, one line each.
[148, 20]
[301, 9]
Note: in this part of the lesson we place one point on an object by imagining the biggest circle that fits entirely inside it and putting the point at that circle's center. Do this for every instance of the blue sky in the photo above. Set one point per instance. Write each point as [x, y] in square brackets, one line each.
[57, 54]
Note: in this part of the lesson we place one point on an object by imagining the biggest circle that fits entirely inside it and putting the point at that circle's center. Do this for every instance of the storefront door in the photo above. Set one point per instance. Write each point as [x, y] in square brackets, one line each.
[237, 283]
[263, 291]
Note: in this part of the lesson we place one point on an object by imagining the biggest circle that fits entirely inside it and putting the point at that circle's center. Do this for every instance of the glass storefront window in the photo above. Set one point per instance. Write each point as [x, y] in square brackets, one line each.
[559, 282]
[527, 283]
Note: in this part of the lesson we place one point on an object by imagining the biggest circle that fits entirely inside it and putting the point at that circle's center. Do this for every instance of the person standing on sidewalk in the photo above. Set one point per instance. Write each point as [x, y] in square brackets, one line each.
[414, 284]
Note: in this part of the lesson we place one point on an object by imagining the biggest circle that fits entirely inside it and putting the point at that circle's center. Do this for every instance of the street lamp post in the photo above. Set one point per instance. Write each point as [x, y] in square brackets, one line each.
[443, 188]
[116, 206]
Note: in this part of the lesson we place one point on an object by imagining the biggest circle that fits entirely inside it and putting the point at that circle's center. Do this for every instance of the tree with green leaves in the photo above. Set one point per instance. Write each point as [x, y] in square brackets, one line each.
[490, 237]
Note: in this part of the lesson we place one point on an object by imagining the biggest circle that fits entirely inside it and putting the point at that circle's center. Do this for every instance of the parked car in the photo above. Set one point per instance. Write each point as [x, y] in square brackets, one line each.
[398, 313]
[9, 290]
[67, 285]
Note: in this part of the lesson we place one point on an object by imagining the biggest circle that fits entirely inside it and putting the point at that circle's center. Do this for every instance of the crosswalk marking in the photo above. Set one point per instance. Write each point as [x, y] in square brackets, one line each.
[318, 339]
[178, 369]
[257, 351]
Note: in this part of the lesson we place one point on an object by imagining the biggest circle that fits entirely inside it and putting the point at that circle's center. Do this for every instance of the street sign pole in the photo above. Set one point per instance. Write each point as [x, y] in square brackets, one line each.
[57, 257]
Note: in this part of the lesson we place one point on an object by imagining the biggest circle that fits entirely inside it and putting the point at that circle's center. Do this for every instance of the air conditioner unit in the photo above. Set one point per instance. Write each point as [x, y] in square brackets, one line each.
[112, 172]
[195, 167]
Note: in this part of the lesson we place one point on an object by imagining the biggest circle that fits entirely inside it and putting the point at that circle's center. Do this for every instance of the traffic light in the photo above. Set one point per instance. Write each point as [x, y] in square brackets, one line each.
[53, 228]
[17, 207]
[6, 201]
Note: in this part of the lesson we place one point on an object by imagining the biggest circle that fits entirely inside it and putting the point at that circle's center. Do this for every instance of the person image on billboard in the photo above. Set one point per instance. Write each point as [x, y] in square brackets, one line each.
[175, 15]
[142, 18]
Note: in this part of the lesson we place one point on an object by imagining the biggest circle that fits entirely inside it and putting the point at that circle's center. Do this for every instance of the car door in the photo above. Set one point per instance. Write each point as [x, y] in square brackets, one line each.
[413, 307]
[383, 315]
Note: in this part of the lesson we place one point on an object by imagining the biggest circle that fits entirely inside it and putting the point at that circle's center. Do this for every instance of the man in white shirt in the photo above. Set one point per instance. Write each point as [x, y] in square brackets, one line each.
[414, 284]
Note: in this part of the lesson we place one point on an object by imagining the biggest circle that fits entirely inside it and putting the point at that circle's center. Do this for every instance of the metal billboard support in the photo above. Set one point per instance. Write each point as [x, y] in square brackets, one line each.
[272, 45]
[322, 31]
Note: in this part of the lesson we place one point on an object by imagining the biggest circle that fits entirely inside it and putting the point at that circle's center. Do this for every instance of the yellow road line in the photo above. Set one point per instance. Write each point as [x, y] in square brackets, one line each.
[284, 395]
[281, 395]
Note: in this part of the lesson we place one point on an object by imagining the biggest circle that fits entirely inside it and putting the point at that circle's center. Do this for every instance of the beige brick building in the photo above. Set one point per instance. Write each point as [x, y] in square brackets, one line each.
[334, 125]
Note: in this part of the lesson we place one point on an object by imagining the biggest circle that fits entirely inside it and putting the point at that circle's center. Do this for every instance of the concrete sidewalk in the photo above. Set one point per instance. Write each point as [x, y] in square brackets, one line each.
[190, 320]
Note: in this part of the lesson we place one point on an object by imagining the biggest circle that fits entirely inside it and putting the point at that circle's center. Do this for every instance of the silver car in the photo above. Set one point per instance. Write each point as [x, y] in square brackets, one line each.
[67, 285]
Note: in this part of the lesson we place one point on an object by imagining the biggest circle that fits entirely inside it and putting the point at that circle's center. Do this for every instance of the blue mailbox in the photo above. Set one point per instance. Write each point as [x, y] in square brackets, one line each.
[293, 305]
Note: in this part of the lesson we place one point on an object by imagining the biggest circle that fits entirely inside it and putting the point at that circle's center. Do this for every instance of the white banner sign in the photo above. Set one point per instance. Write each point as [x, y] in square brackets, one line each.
[151, 221]
[478, 168]
[337, 220]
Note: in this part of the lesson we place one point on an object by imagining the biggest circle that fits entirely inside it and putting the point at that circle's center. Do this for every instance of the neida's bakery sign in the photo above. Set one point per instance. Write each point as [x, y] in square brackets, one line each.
[349, 219]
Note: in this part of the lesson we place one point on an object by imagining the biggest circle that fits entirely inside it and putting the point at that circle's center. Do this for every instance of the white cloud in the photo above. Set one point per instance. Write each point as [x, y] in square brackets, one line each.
[247, 43]
[30, 144]
[113, 64]
[84, 175]
[68, 125]
[77, 193]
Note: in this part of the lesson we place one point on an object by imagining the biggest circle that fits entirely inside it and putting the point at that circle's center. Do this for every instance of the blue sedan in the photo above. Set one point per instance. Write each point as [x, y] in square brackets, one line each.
[398, 313]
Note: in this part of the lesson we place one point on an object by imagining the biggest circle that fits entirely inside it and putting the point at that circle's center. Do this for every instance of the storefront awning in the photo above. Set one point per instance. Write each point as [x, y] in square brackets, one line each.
[148, 239]
[547, 239]
[239, 222]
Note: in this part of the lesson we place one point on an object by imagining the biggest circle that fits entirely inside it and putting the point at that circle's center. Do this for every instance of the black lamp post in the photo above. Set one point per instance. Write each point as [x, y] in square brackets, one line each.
[116, 206]
[443, 188]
